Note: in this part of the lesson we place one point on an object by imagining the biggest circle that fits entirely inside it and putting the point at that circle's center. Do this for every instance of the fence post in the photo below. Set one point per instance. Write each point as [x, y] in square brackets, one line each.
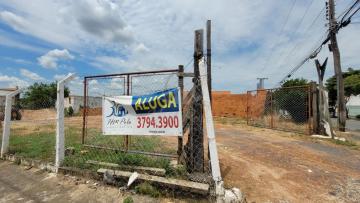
[7, 122]
[197, 131]
[271, 110]
[127, 93]
[314, 108]
[84, 112]
[181, 86]
[60, 135]
[214, 159]
[247, 107]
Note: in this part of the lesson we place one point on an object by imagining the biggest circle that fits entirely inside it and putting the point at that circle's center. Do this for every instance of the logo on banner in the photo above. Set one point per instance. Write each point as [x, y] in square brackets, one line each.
[118, 110]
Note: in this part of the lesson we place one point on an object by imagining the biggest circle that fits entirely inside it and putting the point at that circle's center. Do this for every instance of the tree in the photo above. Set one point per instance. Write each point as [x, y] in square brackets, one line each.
[295, 82]
[292, 100]
[41, 95]
[351, 85]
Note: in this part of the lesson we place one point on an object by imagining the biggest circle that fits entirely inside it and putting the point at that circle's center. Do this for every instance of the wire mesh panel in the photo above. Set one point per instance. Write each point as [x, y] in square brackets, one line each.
[259, 108]
[291, 109]
[33, 125]
[84, 137]
[281, 108]
[2, 117]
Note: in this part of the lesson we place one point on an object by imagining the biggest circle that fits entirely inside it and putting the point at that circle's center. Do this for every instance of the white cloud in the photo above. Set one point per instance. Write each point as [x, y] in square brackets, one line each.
[30, 75]
[11, 81]
[117, 36]
[102, 19]
[77, 25]
[17, 22]
[50, 59]
[6, 41]
[141, 48]
[117, 83]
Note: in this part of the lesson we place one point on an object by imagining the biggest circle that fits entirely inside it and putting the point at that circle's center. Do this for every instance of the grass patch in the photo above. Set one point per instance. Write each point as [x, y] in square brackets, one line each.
[347, 143]
[128, 199]
[41, 145]
[146, 188]
[230, 120]
[34, 145]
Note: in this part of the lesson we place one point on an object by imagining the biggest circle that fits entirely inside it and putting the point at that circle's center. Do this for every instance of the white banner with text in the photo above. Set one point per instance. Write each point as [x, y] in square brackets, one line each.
[154, 114]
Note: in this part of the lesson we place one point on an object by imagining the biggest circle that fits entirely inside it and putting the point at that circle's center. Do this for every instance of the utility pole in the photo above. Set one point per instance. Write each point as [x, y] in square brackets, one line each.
[337, 66]
[260, 84]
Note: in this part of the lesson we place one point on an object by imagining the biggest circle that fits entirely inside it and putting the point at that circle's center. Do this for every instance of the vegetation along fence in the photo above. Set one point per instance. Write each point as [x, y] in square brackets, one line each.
[286, 108]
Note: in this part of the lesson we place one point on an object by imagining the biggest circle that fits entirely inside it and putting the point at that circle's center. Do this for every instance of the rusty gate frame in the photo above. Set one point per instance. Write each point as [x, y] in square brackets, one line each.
[128, 77]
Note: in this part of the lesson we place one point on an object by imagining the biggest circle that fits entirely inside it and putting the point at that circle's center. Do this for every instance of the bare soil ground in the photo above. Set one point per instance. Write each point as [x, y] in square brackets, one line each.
[269, 165]
[274, 166]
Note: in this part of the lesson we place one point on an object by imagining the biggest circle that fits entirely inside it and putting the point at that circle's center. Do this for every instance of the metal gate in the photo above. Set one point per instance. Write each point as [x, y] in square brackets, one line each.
[137, 83]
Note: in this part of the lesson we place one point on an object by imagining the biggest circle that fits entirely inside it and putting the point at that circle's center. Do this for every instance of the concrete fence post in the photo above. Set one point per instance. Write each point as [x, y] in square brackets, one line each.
[214, 159]
[60, 134]
[7, 122]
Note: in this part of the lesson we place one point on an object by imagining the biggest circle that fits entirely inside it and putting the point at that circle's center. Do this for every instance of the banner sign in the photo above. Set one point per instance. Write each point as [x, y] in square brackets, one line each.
[153, 114]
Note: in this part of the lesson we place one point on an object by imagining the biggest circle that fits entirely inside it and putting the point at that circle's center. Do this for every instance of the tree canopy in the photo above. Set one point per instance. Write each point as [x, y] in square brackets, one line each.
[293, 100]
[351, 85]
[295, 82]
[41, 95]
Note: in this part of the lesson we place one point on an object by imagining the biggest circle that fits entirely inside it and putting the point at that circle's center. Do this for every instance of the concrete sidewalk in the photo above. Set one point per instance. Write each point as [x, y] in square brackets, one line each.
[21, 184]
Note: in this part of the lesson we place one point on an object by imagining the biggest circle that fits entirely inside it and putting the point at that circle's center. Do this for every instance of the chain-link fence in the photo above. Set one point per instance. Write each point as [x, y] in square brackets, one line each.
[33, 123]
[86, 144]
[2, 116]
[286, 109]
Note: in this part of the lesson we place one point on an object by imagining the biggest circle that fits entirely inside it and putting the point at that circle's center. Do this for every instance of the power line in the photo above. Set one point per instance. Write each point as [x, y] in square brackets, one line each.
[190, 61]
[347, 11]
[342, 24]
[280, 34]
[298, 43]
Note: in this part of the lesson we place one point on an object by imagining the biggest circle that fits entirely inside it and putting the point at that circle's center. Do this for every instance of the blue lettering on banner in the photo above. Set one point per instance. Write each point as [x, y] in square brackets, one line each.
[164, 101]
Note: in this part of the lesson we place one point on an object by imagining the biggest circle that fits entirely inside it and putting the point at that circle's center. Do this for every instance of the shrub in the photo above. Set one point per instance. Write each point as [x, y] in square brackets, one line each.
[358, 116]
[146, 188]
[128, 199]
[69, 111]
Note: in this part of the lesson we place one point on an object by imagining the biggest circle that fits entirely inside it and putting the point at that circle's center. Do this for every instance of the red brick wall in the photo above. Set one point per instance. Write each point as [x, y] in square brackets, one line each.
[225, 104]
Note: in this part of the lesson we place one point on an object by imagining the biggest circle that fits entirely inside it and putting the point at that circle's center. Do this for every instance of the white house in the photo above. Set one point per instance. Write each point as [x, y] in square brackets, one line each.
[78, 101]
[4, 92]
[353, 105]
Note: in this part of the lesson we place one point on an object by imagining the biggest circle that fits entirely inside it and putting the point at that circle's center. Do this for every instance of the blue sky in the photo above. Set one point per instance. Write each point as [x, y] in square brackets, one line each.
[41, 41]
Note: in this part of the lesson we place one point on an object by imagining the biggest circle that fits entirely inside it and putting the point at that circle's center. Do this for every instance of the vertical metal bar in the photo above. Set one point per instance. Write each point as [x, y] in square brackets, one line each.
[247, 107]
[84, 112]
[271, 109]
[309, 108]
[208, 56]
[127, 93]
[181, 86]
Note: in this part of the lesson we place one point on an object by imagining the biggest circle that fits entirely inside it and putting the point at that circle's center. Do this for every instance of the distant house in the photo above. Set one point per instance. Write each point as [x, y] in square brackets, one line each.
[4, 92]
[78, 101]
[353, 105]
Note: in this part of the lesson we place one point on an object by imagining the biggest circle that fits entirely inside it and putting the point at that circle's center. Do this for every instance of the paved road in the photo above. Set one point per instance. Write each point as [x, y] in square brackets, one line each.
[351, 124]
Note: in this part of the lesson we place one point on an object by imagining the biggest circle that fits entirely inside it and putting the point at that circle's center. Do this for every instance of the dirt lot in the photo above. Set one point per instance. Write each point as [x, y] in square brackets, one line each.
[276, 166]
[273, 166]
